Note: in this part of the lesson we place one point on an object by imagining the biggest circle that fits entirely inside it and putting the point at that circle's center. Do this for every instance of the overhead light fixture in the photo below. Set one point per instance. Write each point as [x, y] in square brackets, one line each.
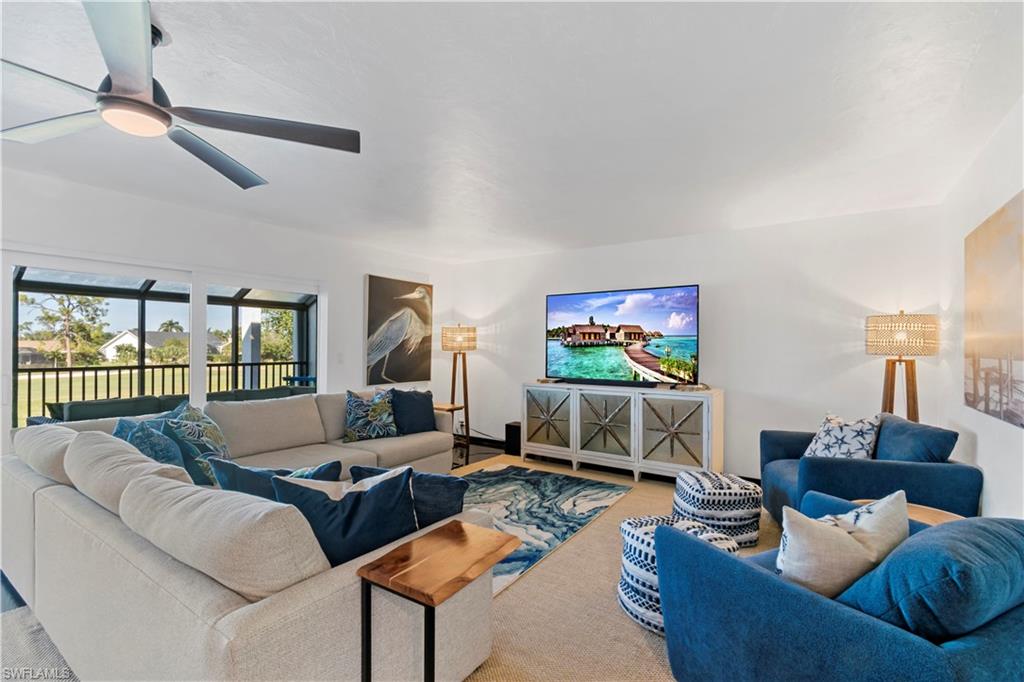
[134, 117]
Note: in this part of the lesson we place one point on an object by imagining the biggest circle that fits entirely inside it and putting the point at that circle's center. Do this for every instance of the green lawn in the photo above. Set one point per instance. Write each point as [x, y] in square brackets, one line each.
[97, 386]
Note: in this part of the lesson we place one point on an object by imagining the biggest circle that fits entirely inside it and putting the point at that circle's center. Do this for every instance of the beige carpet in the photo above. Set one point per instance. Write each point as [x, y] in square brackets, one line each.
[561, 620]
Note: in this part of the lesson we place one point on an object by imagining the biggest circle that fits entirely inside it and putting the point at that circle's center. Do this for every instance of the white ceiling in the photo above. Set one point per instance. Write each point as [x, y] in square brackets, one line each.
[500, 129]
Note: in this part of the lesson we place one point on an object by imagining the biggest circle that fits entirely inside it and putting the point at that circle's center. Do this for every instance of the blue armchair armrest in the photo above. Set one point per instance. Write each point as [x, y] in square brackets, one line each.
[783, 445]
[950, 486]
[728, 619]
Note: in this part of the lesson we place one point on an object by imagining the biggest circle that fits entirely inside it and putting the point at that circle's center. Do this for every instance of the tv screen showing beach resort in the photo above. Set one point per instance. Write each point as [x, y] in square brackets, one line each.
[645, 335]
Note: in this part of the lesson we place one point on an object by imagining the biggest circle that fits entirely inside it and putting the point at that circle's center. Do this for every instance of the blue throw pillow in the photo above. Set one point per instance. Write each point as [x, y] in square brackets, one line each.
[352, 520]
[257, 480]
[900, 440]
[946, 581]
[414, 411]
[199, 438]
[369, 418]
[126, 425]
[436, 496]
[155, 445]
[124, 428]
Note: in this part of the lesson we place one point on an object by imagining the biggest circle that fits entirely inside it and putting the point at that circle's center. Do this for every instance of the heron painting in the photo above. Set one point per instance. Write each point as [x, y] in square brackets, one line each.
[399, 316]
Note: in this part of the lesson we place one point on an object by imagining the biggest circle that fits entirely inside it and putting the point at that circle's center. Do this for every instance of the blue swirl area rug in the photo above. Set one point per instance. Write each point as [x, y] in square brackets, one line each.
[540, 508]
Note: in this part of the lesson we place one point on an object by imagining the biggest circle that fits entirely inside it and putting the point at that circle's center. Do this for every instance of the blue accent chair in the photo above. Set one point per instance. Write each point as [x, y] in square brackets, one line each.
[786, 476]
[733, 619]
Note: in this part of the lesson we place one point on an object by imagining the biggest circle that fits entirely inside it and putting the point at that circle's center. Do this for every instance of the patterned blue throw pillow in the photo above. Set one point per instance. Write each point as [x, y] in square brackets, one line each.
[155, 445]
[847, 440]
[351, 520]
[199, 438]
[126, 425]
[257, 480]
[436, 496]
[369, 418]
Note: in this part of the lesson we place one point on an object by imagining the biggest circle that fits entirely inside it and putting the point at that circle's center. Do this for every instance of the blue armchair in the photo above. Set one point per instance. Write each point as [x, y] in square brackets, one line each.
[730, 618]
[786, 475]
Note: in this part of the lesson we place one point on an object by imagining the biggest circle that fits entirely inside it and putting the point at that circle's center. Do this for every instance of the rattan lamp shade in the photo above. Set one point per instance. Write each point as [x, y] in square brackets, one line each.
[902, 335]
[458, 339]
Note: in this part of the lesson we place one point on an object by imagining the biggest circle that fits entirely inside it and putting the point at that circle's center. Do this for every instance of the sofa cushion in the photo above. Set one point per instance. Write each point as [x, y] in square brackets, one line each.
[948, 580]
[829, 554]
[170, 403]
[253, 546]
[436, 496]
[414, 411]
[263, 393]
[113, 407]
[311, 456]
[393, 452]
[256, 480]
[332, 414]
[43, 448]
[102, 466]
[256, 426]
[779, 482]
[900, 440]
[350, 520]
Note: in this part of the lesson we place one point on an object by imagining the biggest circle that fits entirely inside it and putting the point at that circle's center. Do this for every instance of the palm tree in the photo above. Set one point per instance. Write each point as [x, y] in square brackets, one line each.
[171, 326]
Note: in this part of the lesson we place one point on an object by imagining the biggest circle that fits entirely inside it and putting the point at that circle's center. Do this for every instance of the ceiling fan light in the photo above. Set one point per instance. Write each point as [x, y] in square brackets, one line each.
[134, 118]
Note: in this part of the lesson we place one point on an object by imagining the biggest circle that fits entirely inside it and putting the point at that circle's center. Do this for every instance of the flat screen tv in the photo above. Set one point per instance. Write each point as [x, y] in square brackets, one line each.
[626, 336]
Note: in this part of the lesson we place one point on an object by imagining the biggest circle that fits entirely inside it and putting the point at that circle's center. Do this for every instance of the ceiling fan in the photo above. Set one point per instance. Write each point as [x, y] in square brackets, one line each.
[132, 101]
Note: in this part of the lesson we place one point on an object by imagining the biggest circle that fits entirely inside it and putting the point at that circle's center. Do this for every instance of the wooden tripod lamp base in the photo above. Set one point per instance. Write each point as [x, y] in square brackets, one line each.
[458, 341]
[909, 366]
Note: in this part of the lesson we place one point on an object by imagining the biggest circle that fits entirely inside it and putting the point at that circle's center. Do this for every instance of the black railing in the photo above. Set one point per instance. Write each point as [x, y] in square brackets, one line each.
[38, 386]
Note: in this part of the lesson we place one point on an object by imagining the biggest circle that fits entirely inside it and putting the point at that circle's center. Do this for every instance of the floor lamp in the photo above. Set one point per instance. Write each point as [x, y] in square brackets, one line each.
[905, 337]
[458, 341]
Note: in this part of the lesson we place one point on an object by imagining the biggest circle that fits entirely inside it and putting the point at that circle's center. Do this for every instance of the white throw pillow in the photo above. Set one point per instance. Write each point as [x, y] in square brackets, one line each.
[829, 554]
[836, 438]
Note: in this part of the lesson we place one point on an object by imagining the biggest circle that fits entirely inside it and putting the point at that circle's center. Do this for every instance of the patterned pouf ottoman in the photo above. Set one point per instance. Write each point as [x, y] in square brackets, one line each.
[638, 586]
[723, 502]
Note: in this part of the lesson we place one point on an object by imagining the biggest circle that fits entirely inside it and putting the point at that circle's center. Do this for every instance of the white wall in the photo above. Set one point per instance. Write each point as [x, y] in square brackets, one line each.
[781, 315]
[996, 446]
[44, 215]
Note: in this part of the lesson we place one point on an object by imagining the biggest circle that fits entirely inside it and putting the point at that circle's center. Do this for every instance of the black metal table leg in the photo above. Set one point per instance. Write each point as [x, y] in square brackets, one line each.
[428, 643]
[367, 629]
[429, 633]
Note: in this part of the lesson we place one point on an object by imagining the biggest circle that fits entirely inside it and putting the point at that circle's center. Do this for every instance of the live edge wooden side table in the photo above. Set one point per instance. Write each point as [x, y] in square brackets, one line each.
[428, 570]
[452, 408]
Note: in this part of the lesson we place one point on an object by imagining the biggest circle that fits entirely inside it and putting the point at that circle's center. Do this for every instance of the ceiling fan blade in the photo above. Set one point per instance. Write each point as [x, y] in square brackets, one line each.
[215, 158]
[28, 71]
[50, 128]
[124, 34]
[293, 131]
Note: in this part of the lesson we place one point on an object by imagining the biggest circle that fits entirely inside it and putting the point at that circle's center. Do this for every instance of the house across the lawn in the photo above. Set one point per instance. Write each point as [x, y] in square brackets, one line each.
[37, 352]
[130, 337]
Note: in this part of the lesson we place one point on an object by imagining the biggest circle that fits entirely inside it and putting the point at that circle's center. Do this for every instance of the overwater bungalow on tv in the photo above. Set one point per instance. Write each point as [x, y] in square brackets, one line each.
[607, 335]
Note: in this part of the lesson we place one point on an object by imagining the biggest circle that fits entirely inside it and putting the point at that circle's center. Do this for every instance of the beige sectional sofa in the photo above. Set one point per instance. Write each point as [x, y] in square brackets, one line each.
[136, 573]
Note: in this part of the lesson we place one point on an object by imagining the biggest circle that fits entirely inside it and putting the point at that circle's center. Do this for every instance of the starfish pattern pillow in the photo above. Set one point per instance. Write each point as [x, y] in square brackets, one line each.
[849, 440]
